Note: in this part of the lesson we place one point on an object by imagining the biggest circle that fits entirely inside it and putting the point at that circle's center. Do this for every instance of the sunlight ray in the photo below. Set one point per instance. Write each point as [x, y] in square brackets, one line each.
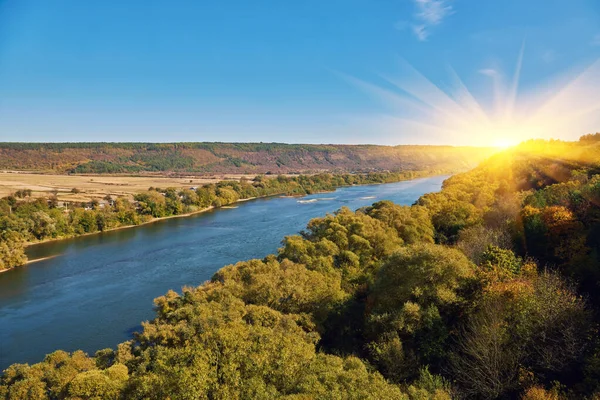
[466, 98]
[512, 98]
[455, 112]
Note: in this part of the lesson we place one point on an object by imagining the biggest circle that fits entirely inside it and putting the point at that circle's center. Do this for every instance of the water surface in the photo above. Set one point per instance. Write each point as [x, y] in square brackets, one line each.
[98, 288]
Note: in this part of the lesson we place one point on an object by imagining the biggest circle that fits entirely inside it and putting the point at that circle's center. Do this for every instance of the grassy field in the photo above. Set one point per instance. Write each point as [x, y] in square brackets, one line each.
[95, 186]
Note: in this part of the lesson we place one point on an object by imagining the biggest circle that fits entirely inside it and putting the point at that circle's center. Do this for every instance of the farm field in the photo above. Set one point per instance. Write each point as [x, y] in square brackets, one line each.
[90, 187]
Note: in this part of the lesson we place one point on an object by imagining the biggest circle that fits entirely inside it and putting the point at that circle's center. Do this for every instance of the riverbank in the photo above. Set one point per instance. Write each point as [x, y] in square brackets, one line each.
[151, 221]
[162, 204]
[154, 220]
[41, 259]
[206, 209]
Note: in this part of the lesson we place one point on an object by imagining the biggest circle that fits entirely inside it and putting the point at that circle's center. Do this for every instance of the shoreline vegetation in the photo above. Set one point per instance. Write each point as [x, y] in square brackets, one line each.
[25, 221]
[151, 221]
[485, 289]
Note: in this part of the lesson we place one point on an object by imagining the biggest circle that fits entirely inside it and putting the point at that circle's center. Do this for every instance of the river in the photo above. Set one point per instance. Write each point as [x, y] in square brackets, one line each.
[98, 288]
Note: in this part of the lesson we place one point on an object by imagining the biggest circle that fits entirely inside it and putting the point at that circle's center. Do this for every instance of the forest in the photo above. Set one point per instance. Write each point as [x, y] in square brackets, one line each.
[487, 289]
[232, 158]
[24, 219]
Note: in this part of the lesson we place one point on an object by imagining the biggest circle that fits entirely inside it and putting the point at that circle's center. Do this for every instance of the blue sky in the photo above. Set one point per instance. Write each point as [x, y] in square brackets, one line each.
[311, 71]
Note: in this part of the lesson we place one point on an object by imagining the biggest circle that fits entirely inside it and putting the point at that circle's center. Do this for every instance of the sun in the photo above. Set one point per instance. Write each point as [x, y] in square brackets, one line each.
[503, 135]
[504, 143]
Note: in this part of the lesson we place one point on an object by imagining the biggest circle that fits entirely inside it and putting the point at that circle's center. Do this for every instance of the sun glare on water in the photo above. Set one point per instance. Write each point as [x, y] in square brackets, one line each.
[560, 108]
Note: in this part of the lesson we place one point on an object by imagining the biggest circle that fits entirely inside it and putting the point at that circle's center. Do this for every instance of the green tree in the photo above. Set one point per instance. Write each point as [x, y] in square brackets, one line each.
[414, 302]
[12, 251]
[151, 203]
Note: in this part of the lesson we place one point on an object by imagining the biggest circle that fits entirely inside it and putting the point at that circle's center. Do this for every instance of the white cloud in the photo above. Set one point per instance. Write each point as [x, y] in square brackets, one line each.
[428, 14]
[420, 32]
[488, 72]
[432, 12]
[596, 40]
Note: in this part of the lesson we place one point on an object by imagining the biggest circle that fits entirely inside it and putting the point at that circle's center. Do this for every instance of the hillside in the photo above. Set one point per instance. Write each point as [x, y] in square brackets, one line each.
[232, 158]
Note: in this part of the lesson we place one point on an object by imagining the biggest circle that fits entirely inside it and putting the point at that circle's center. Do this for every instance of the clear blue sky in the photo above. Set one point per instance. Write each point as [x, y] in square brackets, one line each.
[285, 71]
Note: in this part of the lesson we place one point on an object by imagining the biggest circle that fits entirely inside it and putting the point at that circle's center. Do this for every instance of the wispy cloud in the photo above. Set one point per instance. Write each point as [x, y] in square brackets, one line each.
[488, 72]
[420, 32]
[432, 11]
[428, 14]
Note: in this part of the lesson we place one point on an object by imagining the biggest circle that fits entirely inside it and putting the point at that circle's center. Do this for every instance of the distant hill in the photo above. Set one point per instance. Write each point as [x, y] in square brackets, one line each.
[251, 158]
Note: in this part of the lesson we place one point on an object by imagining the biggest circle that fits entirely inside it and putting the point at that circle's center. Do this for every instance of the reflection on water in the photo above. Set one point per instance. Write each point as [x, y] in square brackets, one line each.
[98, 288]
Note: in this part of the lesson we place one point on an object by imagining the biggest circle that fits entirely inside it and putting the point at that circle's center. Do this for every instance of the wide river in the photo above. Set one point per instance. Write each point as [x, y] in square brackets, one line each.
[98, 288]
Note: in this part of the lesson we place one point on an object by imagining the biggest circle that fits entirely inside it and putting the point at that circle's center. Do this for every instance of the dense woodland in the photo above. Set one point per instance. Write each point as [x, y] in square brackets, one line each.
[487, 289]
[247, 158]
[25, 219]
